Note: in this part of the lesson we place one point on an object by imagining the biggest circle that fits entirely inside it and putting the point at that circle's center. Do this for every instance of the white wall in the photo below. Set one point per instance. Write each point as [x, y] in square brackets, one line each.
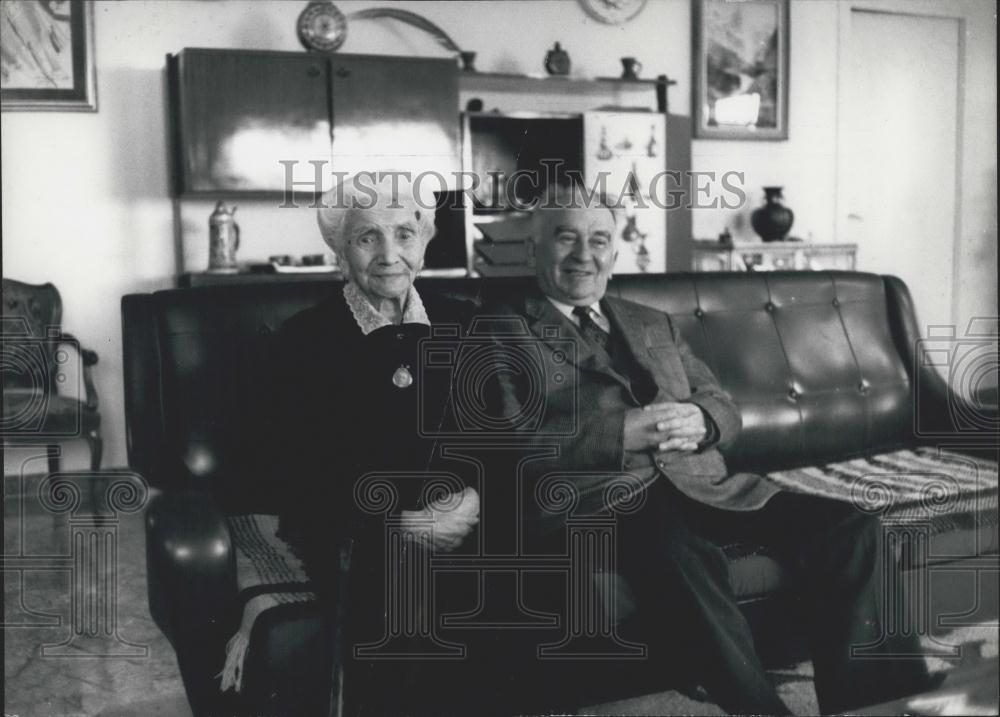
[807, 163]
[85, 196]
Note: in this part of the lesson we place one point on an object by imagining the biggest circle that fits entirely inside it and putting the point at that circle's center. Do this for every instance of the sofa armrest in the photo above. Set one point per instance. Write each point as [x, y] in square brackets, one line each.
[939, 412]
[191, 572]
[191, 564]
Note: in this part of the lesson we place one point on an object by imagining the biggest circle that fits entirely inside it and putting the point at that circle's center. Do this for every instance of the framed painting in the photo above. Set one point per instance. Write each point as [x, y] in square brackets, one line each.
[740, 68]
[48, 55]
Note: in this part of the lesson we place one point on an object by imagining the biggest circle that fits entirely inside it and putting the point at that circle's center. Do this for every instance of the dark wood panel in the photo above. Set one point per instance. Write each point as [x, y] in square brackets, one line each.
[395, 113]
[241, 113]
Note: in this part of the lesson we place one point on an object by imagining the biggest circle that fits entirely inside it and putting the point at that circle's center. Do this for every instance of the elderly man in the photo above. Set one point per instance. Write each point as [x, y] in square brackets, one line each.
[648, 406]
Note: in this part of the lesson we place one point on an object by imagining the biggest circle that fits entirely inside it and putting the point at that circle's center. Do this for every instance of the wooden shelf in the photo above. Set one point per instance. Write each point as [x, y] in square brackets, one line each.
[500, 81]
[710, 255]
[577, 83]
[206, 278]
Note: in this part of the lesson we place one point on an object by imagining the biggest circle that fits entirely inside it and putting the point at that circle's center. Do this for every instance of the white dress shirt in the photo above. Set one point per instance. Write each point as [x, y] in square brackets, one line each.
[595, 313]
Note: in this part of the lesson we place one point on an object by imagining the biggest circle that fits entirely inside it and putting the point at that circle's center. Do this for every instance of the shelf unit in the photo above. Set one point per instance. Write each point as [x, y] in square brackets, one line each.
[305, 106]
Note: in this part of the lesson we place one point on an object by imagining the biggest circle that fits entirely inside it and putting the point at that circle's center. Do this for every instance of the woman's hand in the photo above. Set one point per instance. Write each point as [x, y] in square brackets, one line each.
[445, 523]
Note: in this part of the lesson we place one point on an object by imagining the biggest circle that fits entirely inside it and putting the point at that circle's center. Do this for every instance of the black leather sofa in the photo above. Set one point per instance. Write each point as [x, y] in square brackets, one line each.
[825, 367]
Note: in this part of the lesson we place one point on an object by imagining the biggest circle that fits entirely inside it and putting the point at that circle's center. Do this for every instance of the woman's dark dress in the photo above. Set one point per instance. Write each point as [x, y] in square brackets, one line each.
[341, 417]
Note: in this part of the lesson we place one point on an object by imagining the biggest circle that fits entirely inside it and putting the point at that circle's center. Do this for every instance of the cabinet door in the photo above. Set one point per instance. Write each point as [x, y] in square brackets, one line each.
[396, 113]
[240, 114]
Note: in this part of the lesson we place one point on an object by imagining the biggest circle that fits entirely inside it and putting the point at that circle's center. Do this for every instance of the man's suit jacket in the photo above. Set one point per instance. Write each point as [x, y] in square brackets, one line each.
[584, 407]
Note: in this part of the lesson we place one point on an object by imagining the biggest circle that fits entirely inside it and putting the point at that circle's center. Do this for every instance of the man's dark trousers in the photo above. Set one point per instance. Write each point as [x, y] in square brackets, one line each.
[669, 552]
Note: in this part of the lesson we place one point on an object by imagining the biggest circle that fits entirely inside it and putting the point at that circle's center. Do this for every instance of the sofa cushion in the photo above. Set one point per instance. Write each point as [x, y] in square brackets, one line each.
[61, 415]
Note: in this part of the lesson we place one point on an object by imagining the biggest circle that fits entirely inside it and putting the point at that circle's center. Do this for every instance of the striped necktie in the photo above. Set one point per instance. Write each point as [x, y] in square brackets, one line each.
[594, 333]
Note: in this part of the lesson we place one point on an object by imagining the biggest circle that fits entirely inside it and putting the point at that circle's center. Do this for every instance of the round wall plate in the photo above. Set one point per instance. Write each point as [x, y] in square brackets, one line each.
[321, 26]
[613, 12]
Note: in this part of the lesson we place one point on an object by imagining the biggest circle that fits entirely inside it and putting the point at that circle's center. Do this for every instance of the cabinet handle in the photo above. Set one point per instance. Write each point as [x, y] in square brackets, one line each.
[343, 72]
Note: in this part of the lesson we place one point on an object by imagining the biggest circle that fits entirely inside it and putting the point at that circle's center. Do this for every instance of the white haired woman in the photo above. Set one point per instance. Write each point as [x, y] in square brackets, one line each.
[352, 405]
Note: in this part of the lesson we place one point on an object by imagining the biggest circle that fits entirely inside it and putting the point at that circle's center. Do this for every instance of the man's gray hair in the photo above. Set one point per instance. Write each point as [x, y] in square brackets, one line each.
[572, 195]
[360, 192]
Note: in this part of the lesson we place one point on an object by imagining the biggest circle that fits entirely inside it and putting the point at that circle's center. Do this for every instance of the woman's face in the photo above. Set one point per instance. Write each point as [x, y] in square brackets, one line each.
[383, 251]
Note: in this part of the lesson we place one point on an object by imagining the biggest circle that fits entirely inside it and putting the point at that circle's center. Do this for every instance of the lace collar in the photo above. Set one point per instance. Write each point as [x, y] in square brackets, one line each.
[369, 318]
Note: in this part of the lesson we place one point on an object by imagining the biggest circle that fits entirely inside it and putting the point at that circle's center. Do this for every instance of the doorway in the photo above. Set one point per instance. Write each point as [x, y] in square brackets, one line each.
[898, 151]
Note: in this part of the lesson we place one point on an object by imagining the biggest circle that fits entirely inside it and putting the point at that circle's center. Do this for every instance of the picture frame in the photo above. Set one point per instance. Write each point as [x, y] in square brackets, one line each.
[740, 69]
[48, 60]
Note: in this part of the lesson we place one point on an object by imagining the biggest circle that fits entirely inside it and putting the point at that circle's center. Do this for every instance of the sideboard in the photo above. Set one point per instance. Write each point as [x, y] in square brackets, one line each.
[710, 255]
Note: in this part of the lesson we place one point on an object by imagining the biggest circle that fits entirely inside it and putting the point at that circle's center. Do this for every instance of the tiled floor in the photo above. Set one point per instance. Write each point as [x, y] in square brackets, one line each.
[126, 667]
[73, 646]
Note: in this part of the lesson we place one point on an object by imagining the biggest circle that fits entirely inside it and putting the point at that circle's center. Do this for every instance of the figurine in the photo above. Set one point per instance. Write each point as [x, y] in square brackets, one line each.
[637, 240]
[603, 153]
[223, 240]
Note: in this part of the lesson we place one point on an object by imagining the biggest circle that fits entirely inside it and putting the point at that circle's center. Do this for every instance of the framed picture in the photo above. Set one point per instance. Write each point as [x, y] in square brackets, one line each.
[740, 69]
[48, 55]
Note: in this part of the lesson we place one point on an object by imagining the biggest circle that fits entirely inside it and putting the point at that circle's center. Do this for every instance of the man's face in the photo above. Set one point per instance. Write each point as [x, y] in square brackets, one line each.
[574, 253]
[383, 250]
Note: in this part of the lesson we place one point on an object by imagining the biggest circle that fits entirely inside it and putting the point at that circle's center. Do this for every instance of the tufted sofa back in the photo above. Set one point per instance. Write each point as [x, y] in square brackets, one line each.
[812, 359]
[818, 363]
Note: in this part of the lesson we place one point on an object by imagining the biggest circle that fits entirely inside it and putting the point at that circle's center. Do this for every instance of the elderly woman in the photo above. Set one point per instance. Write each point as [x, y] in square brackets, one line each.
[350, 407]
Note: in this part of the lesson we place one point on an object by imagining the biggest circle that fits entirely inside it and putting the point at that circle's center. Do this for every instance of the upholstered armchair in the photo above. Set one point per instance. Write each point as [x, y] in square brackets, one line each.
[38, 405]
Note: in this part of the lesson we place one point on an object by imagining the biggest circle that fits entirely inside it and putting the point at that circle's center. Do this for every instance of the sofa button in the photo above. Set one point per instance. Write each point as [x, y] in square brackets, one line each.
[793, 394]
[661, 464]
[863, 386]
[769, 306]
[836, 302]
[699, 313]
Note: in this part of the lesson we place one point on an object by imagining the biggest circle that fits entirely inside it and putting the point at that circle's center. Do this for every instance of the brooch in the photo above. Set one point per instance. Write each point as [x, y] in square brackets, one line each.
[402, 377]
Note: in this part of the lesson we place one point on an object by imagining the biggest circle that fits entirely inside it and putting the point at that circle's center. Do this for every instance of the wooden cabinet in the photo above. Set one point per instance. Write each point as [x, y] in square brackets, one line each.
[237, 114]
[249, 123]
[622, 153]
[245, 122]
[395, 113]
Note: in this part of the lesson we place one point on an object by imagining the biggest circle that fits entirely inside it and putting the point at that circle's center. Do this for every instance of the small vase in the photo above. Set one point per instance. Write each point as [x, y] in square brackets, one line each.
[631, 68]
[773, 220]
[557, 61]
[468, 61]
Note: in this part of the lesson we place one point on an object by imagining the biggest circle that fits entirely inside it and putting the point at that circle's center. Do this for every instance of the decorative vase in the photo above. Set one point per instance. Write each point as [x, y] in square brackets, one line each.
[468, 61]
[557, 61]
[773, 220]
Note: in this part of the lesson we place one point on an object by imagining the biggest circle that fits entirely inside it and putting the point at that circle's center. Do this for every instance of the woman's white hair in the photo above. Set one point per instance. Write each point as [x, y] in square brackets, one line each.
[363, 191]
